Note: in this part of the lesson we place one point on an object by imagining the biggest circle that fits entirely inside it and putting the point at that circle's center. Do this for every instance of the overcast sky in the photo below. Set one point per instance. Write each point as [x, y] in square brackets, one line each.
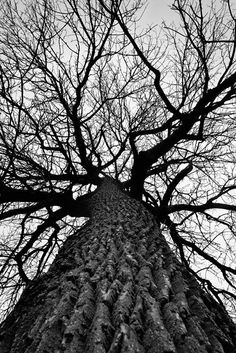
[158, 10]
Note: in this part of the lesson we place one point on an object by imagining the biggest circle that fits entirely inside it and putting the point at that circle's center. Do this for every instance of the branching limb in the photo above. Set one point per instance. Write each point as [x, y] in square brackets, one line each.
[177, 179]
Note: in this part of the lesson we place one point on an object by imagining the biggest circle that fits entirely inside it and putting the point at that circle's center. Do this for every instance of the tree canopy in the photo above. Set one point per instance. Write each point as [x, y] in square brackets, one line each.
[86, 91]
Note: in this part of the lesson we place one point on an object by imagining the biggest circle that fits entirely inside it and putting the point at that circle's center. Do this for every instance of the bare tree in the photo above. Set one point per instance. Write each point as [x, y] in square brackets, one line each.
[86, 95]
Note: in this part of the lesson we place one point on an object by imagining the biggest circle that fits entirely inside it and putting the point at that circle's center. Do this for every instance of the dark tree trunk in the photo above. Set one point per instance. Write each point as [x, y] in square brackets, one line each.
[115, 286]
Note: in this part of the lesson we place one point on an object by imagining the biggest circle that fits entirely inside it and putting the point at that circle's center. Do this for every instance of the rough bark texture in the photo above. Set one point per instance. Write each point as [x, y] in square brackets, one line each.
[115, 287]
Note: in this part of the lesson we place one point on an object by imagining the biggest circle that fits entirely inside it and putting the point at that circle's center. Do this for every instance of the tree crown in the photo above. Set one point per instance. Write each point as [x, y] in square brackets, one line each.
[85, 93]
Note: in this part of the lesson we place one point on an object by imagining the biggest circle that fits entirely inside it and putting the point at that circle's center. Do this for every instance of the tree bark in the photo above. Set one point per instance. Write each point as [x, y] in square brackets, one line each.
[115, 286]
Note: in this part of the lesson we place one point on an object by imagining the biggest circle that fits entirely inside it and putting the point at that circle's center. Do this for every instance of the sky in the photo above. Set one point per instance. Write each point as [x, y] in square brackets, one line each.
[157, 11]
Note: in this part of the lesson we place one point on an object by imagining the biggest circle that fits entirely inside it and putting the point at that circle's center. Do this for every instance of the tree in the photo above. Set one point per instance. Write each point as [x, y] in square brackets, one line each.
[135, 131]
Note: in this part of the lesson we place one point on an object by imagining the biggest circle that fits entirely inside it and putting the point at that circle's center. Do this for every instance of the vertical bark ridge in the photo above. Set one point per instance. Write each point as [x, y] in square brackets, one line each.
[115, 287]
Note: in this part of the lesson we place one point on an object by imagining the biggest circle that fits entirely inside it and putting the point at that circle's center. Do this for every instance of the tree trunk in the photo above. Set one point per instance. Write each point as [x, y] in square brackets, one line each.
[115, 286]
